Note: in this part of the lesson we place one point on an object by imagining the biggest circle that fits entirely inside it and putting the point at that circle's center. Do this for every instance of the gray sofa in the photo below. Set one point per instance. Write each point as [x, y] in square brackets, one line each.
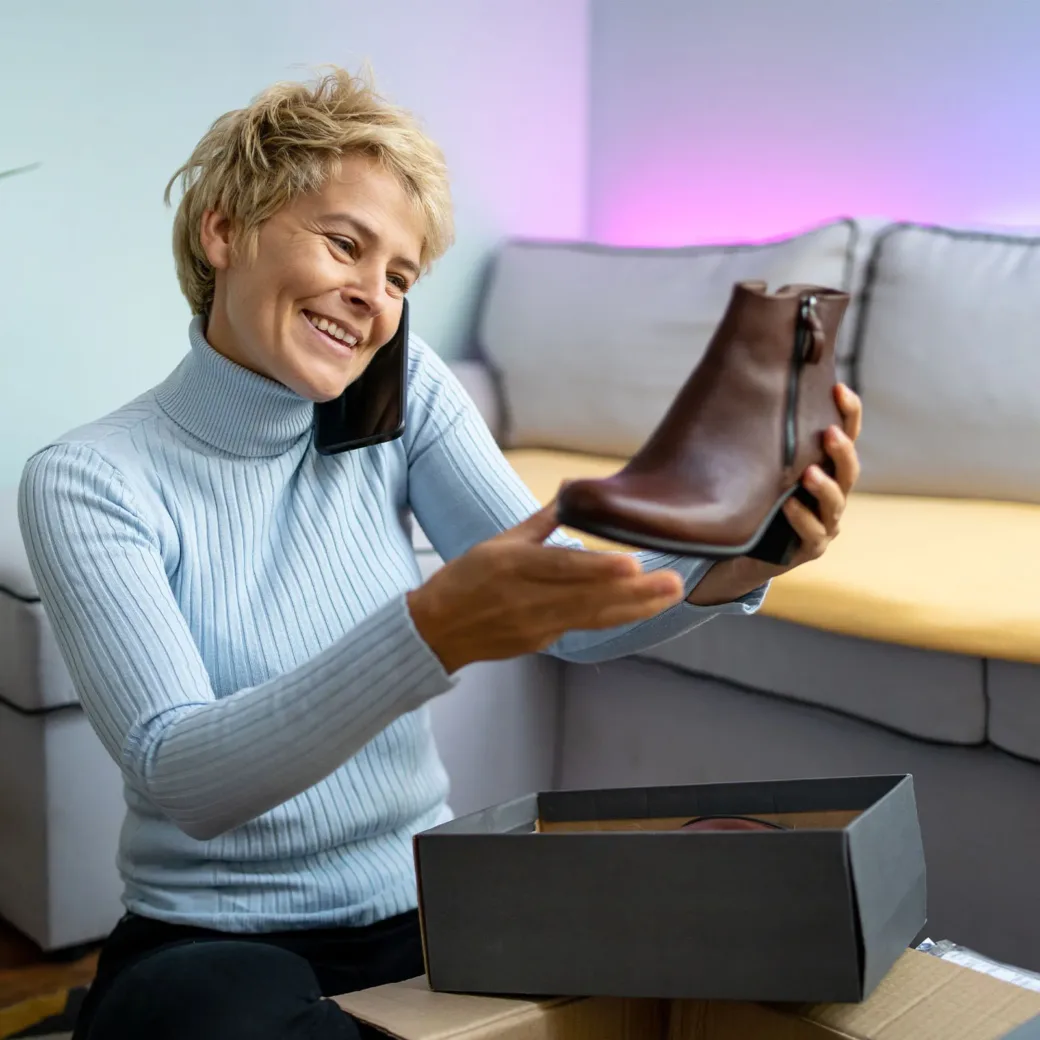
[915, 645]
[746, 698]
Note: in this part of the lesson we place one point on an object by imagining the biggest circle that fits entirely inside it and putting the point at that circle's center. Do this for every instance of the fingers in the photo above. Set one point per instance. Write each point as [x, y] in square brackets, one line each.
[627, 614]
[624, 602]
[842, 450]
[536, 528]
[851, 408]
[555, 564]
[830, 496]
[660, 583]
[807, 526]
[647, 591]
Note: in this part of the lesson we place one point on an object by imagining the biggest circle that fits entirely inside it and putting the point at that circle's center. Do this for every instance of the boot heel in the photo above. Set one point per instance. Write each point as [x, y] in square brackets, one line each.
[780, 542]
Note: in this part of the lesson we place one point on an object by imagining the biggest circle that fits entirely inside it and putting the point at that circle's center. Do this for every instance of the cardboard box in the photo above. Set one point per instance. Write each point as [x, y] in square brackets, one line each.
[922, 998]
[599, 893]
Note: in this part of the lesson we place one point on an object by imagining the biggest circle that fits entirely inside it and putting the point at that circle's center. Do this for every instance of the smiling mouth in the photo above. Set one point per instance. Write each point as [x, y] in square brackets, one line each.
[330, 330]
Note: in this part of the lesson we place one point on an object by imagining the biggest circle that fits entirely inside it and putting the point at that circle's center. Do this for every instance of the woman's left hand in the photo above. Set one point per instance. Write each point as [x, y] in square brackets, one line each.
[816, 533]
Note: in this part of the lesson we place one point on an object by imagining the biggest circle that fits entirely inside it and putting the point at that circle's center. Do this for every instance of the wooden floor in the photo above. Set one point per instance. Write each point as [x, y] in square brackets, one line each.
[27, 972]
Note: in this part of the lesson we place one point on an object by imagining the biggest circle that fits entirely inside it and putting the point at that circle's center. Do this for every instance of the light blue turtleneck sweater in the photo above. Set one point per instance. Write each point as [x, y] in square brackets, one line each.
[231, 607]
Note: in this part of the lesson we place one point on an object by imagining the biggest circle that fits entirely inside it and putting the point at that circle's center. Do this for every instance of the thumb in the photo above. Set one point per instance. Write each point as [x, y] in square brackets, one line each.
[538, 526]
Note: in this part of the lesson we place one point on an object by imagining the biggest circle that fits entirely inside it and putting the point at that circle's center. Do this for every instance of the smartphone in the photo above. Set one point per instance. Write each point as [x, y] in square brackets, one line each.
[372, 409]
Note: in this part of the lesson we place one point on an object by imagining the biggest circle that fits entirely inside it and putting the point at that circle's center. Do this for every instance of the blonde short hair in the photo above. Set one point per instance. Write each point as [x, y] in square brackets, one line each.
[288, 141]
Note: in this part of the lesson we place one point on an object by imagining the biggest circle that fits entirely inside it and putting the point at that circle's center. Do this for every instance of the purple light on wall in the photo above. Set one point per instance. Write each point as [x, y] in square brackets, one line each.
[707, 126]
[660, 209]
[687, 201]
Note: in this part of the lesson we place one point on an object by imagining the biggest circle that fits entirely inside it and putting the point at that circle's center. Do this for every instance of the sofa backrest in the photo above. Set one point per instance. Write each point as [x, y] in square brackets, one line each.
[590, 344]
[947, 358]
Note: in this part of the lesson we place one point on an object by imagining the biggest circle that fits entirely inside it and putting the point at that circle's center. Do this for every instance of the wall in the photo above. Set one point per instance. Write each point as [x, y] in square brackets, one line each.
[721, 119]
[658, 122]
[111, 97]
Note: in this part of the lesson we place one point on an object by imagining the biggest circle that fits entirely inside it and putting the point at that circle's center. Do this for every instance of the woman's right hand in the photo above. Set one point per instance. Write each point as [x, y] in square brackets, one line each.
[512, 595]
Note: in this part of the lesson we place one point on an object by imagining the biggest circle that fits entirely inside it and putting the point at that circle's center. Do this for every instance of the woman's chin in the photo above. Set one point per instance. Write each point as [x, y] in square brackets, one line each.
[324, 397]
[321, 394]
[317, 385]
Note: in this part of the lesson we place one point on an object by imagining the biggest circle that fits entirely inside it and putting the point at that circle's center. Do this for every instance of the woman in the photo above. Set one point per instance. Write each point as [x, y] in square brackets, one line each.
[244, 617]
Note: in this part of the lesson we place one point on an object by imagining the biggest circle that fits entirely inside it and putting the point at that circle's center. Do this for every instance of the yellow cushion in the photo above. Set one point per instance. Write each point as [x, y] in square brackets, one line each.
[959, 575]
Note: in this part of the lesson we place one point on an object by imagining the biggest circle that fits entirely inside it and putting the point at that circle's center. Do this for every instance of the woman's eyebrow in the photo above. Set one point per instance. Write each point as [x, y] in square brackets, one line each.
[366, 232]
[346, 218]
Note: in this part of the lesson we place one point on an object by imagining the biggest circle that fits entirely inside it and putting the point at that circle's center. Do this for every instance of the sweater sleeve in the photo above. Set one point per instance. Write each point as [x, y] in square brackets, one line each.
[210, 764]
[463, 491]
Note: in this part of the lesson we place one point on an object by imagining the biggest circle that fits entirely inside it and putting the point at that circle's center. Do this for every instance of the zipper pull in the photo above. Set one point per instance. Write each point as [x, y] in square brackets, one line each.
[810, 331]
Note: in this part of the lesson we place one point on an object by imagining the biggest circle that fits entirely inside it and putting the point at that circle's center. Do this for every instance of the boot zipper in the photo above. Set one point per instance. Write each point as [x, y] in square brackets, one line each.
[804, 330]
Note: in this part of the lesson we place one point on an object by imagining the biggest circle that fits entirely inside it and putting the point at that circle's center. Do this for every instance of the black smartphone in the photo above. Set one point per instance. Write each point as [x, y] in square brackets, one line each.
[372, 409]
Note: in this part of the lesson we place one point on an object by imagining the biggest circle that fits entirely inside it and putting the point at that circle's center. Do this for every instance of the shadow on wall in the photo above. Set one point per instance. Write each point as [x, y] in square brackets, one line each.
[17, 170]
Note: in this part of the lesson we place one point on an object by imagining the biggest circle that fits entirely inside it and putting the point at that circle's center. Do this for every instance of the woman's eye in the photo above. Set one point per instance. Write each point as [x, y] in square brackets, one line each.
[345, 244]
[399, 282]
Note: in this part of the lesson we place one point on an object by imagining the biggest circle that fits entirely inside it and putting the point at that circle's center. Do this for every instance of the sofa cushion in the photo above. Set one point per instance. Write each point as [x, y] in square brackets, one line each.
[948, 364]
[591, 343]
[957, 575]
[1014, 707]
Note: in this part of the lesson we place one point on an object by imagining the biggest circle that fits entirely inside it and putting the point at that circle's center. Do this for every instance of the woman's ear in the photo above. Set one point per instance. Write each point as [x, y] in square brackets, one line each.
[215, 234]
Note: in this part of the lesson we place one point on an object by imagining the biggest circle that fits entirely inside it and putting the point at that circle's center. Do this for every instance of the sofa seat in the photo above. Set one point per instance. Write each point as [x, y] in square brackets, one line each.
[953, 575]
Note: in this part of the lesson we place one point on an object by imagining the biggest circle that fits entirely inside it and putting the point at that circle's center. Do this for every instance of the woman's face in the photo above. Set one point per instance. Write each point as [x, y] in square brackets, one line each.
[342, 258]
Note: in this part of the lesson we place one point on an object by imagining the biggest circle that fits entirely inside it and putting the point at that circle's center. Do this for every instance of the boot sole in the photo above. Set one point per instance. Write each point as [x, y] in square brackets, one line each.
[775, 541]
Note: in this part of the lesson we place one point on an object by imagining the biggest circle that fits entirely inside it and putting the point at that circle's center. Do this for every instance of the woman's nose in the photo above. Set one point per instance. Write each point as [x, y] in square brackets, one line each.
[365, 290]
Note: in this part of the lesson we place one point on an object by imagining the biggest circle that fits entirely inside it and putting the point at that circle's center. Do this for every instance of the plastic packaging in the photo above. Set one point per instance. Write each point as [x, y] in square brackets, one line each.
[967, 958]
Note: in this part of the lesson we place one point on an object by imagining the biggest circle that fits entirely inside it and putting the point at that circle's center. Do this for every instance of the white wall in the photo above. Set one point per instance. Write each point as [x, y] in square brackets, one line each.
[111, 96]
[715, 119]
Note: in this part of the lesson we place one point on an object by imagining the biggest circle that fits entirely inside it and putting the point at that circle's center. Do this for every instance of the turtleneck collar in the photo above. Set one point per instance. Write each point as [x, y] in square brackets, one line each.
[229, 407]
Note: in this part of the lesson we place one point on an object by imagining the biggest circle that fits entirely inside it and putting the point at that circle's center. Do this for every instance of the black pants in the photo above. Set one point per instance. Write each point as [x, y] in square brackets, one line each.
[159, 981]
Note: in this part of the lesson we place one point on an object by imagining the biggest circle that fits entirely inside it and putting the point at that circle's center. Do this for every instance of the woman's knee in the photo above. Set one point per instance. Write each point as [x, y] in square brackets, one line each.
[225, 990]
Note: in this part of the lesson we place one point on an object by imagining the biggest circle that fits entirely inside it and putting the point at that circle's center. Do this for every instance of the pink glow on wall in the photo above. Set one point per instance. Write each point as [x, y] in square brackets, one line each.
[749, 119]
[665, 208]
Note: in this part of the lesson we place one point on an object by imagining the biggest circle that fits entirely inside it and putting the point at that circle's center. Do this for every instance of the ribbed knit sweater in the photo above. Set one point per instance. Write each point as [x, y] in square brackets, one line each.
[231, 607]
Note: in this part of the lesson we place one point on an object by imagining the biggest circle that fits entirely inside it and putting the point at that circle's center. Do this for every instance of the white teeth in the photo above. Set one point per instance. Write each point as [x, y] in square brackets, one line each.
[333, 330]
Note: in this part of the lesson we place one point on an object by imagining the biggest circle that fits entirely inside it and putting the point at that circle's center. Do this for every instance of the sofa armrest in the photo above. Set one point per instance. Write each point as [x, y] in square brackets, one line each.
[479, 382]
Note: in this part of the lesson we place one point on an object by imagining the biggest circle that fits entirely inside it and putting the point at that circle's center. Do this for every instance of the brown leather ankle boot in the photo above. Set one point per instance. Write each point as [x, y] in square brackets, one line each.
[733, 446]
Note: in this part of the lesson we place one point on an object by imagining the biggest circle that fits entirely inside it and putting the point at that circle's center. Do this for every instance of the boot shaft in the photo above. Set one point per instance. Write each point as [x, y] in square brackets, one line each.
[768, 371]
[770, 323]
